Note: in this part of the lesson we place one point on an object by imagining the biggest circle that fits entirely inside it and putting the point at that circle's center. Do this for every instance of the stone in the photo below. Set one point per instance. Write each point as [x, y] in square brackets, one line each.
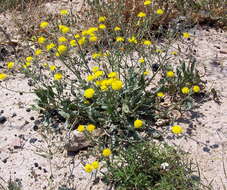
[3, 119]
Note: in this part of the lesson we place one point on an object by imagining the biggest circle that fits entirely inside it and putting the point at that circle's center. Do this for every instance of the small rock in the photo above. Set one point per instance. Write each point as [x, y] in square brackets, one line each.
[14, 115]
[206, 149]
[28, 110]
[36, 164]
[2, 119]
[33, 140]
[214, 146]
[35, 127]
[2, 111]
[32, 118]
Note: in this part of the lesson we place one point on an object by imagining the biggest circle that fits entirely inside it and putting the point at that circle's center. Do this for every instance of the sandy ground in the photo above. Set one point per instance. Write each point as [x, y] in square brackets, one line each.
[24, 153]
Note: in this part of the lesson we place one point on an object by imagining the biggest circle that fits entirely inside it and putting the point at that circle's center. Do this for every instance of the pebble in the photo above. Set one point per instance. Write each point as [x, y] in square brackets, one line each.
[214, 146]
[206, 149]
[33, 140]
[3, 119]
[28, 110]
[35, 127]
[14, 115]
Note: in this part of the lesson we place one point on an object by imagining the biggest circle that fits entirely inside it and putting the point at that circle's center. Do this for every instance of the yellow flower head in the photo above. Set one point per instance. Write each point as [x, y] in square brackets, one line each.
[72, 43]
[94, 69]
[62, 49]
[160, 94]
[93, 38]
[89, 93]
[141, 60]
[176, 129]
[102, 19]
[173, 53]
[43, 24]
[132, 40]
[141, 14]
[38, 52]
[112, 75]
[90, 77]
[3, 76]
[95, 164]
[41, 40]
[64, 29]
[117, 85]
[82, 41]
[103, 87]
[102, 26]
[58, 76]
[106, 152]
[98, 74]
[196, 89]
[80, 128]
[159, 12]
[29, 59]
[77, 36]
[117, 28]
[50, 46]
[185, 90]
[64, 12]
[147, 2]
[147, 42]
[10, 65]
[170, 74]
[120, 39]
[138, 123]
[52, 67]
[90, 128]
[62, 39]
[146, 72]
[96, 55]
[186, 35]
[88, 168]
[27, 64]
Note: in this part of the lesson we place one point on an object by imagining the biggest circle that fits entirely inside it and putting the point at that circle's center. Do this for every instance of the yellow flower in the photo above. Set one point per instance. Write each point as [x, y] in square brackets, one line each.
[90, 77]
[90, 128]
[77, 36]
[43, 24]
[52, 67]
[112, 75]
[50, 46]
[89, 93]
[141, 60]
[80, 128]
[38, 52]
[27, 64]
[73, 43]
[186, 35]
[86, 102]
[96, 55]
[147, 42]
[159, 12]
[94, 69]
[141, 14]
[176, 129]
[98, 74]
[120, 39]
[10, 65]
[173, 53]
[82, 41]
[62, 39]
[147, 2]
[196, 89]
[185, 90]
[103, 87]
[138, 123]
[3, 76]
[88, 168]
[41, 40]
[146, 72]
[64, 12]
[170, 74]
[93, 39]
[117, 28]
[58, 76]
[62, 49]
[95, 164]
[102, 19]
[132, 40]
[117, 85]
[160, 94]
[64, 29]
[106, 152]
[102, 26]
[158, 51]
[45, 64]
[29, 59]
[91, 30]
